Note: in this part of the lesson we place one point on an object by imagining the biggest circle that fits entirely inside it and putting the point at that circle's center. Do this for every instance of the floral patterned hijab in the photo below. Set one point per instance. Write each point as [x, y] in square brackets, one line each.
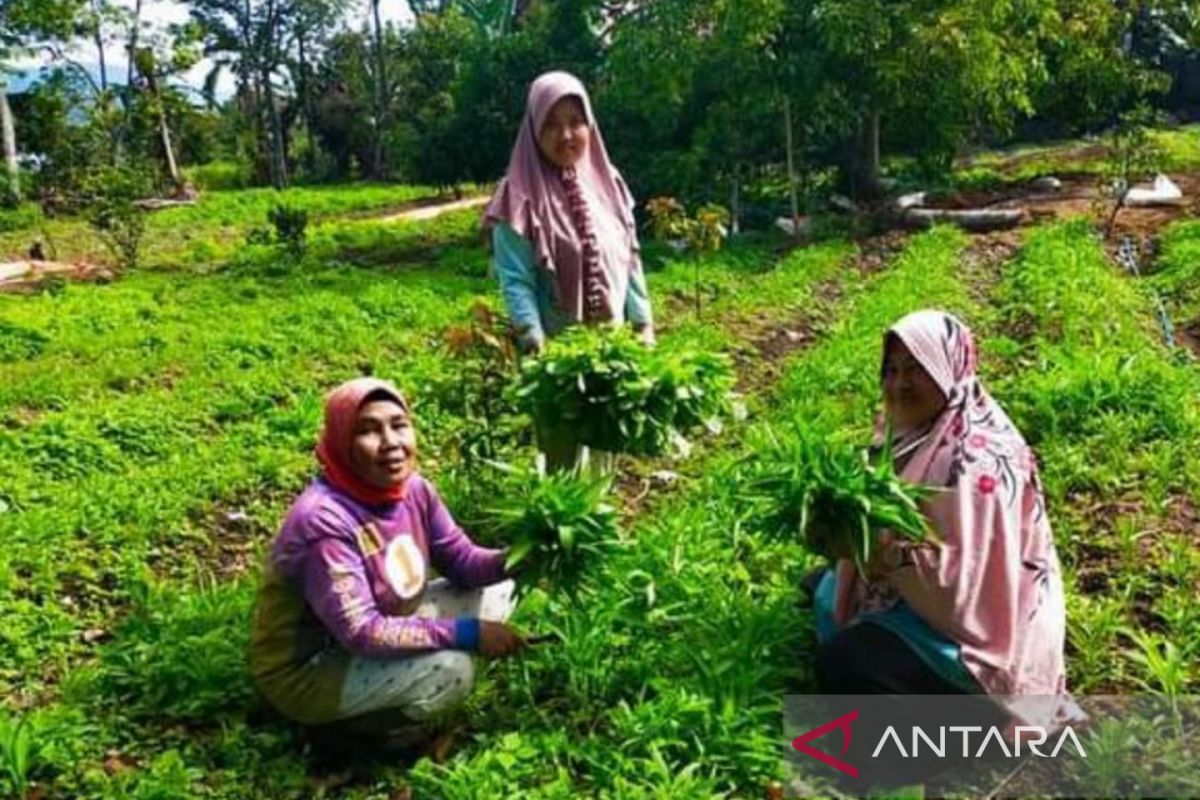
[994, 584]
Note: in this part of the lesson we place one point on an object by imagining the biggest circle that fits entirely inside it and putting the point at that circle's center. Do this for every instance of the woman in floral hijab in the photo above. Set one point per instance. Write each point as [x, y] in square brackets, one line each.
[983, 612]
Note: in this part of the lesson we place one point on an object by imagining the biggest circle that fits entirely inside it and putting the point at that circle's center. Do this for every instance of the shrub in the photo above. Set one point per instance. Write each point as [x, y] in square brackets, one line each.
[113, 212]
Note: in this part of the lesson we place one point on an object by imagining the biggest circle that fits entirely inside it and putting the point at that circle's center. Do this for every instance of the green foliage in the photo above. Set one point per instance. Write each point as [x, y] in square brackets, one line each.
[153, 432]
[182, 655]
[1178, 269]
[1133, 153]
[218, 176]
[18, 343]
[114, 214]
[23, 216]
[704, 233]
[475, 390]
[617, 396]
[835, 499]
[555, 526]
[1088, 84]
[18, 752]
[291, 228]
[1088, 392]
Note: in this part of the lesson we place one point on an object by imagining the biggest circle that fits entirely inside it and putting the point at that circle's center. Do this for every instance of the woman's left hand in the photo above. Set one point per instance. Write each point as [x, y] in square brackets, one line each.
[884, 556]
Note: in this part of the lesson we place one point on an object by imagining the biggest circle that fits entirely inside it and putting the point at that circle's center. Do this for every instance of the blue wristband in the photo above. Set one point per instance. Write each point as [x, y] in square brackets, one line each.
[466, 633]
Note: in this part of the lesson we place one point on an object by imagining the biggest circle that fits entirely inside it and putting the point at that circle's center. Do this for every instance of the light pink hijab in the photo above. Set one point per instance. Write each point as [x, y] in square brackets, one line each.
[536, 201]
[994, 586]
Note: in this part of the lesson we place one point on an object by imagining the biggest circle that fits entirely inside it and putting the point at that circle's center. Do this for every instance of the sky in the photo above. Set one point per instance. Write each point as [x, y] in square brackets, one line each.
[161, 13]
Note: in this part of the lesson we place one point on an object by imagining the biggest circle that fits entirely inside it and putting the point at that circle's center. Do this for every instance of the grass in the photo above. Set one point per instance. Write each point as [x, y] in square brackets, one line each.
[1177, 273]
[1180, 148]
[211, 231]
[153, 431]
[142, 416]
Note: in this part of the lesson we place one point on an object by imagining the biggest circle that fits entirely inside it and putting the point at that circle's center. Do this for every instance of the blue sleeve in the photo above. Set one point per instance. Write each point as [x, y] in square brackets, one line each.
[637, 299]
[512, 258]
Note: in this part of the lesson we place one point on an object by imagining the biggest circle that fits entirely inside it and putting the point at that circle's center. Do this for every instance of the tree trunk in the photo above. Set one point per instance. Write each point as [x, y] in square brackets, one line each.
[133, 43]
[100, 55]
[377, 166]
[278, 160]
[9, 136]
[868, 170]
[273, 130]
[134, 28]
[306, 106]
[164, 134]
[102, 62]
[789, 140]
[735, 201]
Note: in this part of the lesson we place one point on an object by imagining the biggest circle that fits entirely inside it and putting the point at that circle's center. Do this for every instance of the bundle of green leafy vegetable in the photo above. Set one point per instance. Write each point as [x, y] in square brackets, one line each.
[554, 526]
[835, 498]
[614, 394]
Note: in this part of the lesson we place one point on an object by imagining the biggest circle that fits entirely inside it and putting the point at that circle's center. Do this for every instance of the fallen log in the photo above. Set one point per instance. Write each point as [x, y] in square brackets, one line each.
[160, 203]
[978, 219]
[16, 276]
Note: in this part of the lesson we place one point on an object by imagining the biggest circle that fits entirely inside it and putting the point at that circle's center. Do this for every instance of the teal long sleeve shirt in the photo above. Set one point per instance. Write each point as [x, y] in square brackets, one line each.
[529, 293]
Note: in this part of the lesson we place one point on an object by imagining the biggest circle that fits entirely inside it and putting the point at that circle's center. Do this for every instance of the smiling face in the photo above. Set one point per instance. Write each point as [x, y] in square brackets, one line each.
[911, 397]
[565, 134]
[384, 448]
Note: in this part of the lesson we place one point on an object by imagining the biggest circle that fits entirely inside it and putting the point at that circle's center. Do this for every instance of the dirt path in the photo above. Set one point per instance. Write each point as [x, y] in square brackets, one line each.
[432, 211]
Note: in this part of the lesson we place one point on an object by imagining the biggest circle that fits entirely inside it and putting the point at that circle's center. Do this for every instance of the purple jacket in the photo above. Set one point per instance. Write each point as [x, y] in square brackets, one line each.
[362, 571]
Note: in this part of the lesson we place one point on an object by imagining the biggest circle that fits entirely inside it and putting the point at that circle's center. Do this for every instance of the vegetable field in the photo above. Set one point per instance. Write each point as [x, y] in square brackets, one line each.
[154, 429]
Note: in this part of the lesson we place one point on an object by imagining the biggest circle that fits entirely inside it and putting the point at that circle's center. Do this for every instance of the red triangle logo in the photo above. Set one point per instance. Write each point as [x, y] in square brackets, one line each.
[842, 723]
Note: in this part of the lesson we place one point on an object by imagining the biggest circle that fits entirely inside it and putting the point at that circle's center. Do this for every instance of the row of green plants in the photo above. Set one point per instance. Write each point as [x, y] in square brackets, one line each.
[1176, 272]
[669, 678]
[151, 409]
[679, 629]
[1112, 414]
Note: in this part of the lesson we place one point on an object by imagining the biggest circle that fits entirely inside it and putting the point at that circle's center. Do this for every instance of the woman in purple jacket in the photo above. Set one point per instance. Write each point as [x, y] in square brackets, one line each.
[349, 635]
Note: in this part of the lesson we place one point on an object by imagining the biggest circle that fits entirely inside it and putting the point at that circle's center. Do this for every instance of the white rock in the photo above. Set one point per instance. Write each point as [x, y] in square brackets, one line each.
[803, 226]
[1164, 192]
[1046, 183]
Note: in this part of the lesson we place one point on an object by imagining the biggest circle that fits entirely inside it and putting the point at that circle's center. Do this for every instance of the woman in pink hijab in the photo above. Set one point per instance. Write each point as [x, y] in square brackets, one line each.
[984, 611]
[563, 236]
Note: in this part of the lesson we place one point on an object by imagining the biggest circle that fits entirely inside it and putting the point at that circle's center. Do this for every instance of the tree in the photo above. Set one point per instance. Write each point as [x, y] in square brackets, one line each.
[940, 70]
[247, 36]
[312, 25]
[381, 93]
[22, 22]
[102, 22]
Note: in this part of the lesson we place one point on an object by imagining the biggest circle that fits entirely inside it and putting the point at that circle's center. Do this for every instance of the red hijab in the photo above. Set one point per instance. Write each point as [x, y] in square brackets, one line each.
[333, 450]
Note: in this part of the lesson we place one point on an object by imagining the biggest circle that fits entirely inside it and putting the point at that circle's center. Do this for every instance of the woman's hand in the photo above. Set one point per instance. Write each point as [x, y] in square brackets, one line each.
[497, 640]
[883, 558]
[888, 555]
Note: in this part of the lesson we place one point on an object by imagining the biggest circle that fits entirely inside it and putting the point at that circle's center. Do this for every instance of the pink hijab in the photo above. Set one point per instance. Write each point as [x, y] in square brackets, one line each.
[994, 585]
[579, 222]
